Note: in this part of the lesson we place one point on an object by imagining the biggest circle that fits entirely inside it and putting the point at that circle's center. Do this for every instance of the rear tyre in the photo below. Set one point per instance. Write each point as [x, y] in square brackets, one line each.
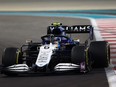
[99, 52]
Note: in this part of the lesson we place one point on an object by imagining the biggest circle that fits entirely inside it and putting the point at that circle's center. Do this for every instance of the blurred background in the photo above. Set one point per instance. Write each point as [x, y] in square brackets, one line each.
[43, 5]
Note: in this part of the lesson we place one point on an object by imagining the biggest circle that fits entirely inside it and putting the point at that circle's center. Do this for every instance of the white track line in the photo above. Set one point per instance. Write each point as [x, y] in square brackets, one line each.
[98, 36]
[110, 73]
[111, 76]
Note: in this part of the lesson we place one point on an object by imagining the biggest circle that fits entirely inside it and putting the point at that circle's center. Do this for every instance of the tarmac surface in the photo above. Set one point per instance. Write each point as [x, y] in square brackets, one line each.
[14, 30]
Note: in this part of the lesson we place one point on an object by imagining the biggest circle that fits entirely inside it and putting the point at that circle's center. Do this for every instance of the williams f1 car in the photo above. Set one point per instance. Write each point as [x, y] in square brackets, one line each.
[57, 52]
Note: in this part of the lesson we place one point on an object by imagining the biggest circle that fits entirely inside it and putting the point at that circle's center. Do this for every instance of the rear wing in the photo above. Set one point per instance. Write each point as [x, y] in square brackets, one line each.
[79, 29]
[74, 29]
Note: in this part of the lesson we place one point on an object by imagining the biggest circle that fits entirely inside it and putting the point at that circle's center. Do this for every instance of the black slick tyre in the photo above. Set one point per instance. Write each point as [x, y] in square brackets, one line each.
[99, 52]
[78, 54]
[79, 57]
[9, 56]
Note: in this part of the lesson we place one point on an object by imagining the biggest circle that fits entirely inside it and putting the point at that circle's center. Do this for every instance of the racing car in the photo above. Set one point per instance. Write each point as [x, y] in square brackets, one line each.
[57, 52]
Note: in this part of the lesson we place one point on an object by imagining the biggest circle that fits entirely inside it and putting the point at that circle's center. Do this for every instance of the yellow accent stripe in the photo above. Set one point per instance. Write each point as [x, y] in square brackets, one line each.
[108, 59]
[87, 59]
[17, 57]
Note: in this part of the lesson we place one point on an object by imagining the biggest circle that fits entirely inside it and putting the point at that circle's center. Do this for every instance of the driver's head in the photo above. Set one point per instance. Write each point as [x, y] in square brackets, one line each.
[57, 31]
[56, 24]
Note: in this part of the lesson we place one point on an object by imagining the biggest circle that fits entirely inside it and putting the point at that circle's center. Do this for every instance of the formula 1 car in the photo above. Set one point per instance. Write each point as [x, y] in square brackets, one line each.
[57, 52]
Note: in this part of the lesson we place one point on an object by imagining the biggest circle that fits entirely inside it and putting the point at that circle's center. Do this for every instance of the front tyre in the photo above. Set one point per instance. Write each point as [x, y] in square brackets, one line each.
[78, 56]
[10, 57]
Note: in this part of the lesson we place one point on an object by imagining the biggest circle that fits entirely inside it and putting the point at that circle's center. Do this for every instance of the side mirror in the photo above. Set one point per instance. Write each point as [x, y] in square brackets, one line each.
[29, 41]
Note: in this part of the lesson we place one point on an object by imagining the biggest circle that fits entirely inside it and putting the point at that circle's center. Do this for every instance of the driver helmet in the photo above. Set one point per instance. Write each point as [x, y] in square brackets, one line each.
[58, 31]
[56, 24]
